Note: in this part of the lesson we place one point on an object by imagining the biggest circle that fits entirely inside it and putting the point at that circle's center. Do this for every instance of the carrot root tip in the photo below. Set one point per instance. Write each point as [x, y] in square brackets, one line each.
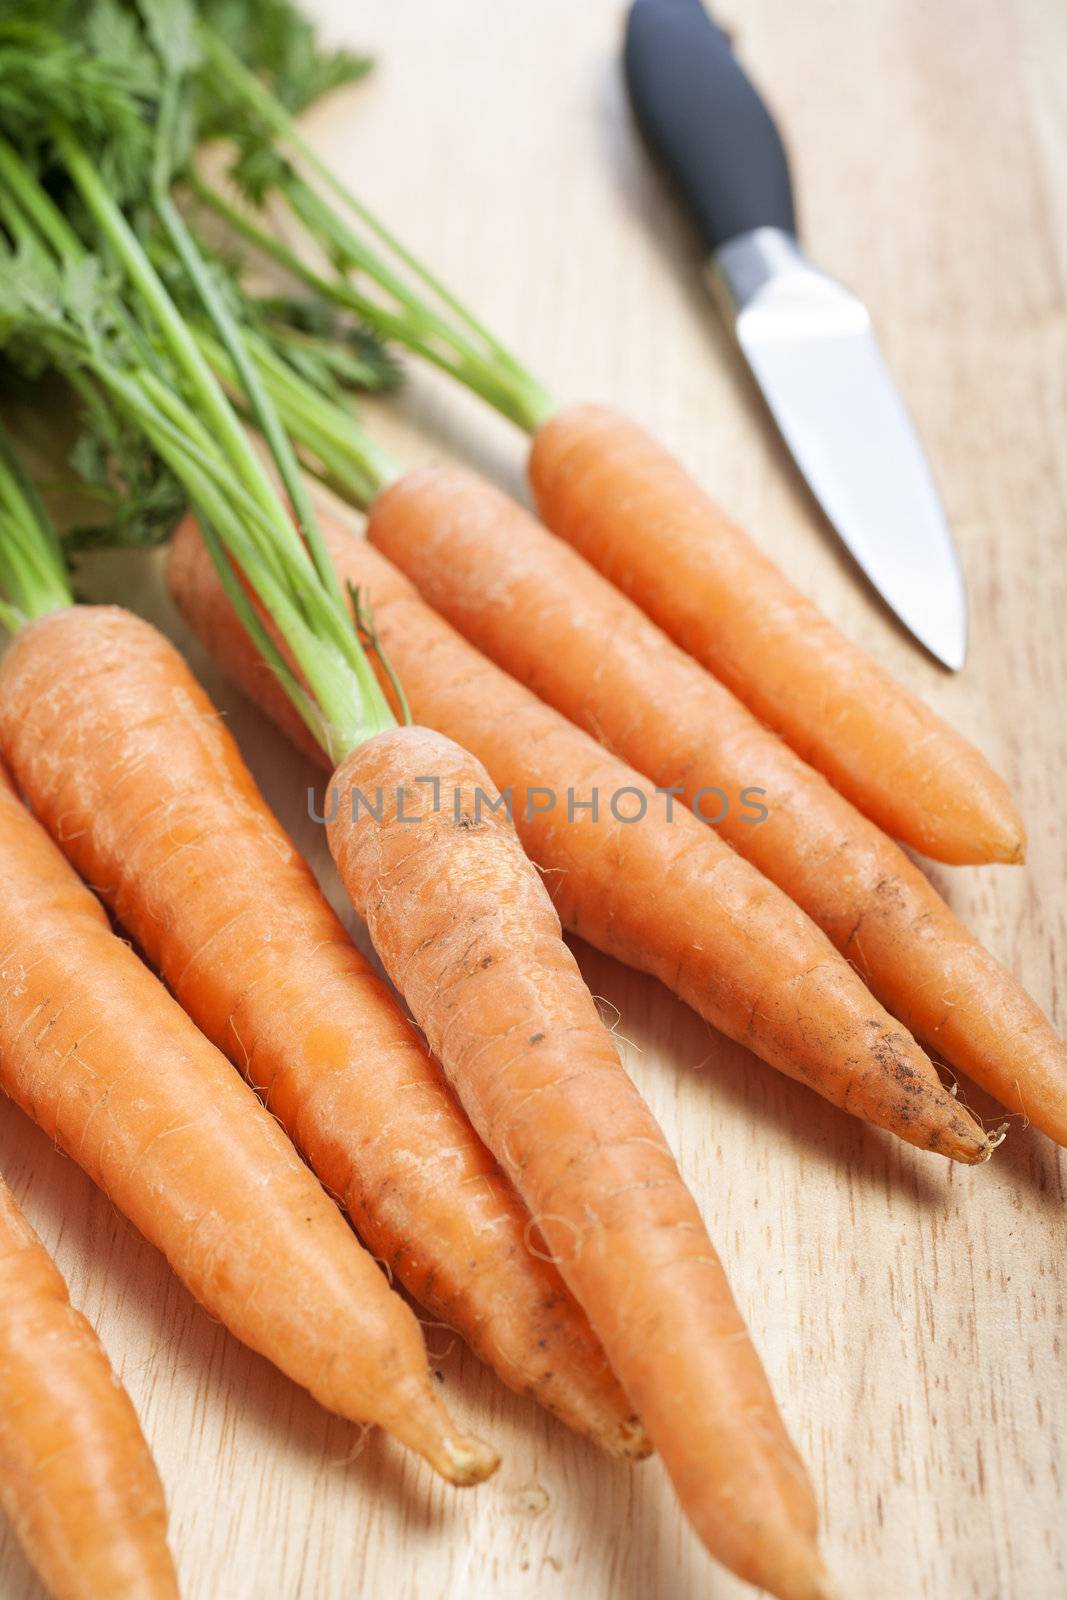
[996, 1138]
[825, 1588]
[631, 1442]
[468, 1461]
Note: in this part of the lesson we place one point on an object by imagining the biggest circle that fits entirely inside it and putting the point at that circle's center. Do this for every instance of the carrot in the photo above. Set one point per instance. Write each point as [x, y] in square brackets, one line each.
[167, 821]
[171, 827]
[543, 1085]
[465, 928]
[110, 1067]
[755, 1506]
[624, 503]
[606, 487]
[665, 895]
[543, 614]
[76, 1479]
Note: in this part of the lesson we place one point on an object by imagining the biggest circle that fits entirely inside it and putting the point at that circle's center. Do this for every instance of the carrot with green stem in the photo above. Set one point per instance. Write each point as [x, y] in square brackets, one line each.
[544, 615]
[168, 822]
[959, 996]
[488, 976]
[503, 1005]
[597, 480]
[279, 986]
[604, 485]
[77, 1481]
[630, 867]
[355, 1088]
[579, 643]
[846, 1054]
[109, 1066]
[824, 1027]
[466, 930]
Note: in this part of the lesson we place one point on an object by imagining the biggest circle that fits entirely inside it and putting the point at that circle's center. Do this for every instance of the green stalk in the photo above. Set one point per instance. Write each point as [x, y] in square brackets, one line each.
[202, 443]
[245, 83]
[316, 423]
[492, 371]
[37, 205]
[339, 718]
[493, 374]
[323, 223]
[519, 398]
[284, 574]
[33, 577]
[184, 431]
[263, 413]
[250, 619]
[205, 390]
[308, 609]
[346, 367]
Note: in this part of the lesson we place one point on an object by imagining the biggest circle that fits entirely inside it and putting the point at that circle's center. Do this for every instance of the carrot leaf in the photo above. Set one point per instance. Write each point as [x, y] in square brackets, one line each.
[82, 295]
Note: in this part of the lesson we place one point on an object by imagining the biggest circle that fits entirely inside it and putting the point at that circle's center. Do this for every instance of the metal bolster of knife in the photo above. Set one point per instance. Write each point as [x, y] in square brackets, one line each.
[768, 265]
[739, 269]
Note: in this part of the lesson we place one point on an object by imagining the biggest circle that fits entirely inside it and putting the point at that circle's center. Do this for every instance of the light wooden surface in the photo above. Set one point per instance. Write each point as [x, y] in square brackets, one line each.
[911, 1316]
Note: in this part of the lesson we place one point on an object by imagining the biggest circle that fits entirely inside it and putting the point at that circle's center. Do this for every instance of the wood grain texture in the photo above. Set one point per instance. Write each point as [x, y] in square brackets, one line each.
[911, 1317]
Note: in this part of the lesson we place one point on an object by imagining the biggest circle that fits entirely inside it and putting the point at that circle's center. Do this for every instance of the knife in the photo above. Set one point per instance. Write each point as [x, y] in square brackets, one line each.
[806, 339]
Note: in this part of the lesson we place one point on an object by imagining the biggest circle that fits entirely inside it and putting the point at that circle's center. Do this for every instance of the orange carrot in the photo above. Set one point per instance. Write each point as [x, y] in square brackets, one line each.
[127, 764]
[98, 1054]
[624, 503]
[664, 894]
[465, 927]
[463, 922]
[604, 485]
[76, 1479]
[543, 614]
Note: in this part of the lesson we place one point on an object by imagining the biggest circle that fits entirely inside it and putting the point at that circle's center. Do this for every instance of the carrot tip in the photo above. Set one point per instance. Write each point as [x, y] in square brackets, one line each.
[970, 1145]
[466, 1461]
[801, 1576]
[824, 1587]
[996, 1138]
[630, 1441]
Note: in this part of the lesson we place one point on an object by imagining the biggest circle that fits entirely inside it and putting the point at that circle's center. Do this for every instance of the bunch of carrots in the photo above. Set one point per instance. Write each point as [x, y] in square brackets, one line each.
[251, 1094]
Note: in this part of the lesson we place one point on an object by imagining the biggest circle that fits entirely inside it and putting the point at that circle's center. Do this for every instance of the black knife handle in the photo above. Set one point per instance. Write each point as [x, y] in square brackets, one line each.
[701, 116]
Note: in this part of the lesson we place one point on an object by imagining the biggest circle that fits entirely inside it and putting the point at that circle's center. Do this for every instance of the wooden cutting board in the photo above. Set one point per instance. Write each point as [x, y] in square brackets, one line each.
[911, 1317]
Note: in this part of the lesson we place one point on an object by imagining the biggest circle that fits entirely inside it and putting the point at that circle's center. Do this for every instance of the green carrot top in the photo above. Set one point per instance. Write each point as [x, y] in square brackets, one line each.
[370, 271]
[33, 573]
[96, 257]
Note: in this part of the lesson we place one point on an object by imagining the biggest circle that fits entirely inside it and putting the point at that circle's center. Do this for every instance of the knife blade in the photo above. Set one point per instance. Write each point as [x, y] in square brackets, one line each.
[807, 340]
